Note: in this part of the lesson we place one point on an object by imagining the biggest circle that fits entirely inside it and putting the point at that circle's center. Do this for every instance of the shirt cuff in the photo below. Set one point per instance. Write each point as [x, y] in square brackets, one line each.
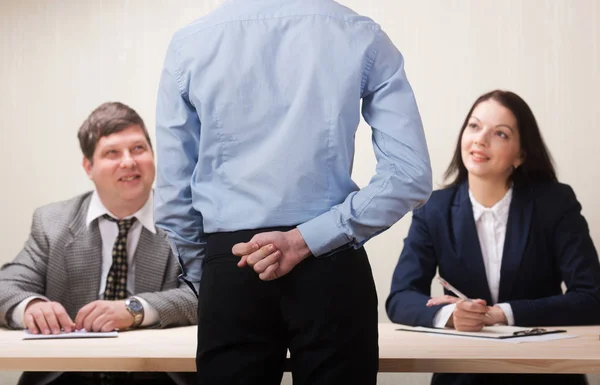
[443, 315]
[150, 313]
[17, 320]
[322, 234]
[508, 313]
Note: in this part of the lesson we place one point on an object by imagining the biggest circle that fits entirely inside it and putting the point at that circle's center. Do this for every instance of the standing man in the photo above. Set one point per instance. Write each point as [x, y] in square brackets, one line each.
[257, 111]
[96, 261]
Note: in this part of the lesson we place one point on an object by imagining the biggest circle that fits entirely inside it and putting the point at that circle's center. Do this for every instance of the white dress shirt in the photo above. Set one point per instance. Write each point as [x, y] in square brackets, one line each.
[108, 232]
[491, 230]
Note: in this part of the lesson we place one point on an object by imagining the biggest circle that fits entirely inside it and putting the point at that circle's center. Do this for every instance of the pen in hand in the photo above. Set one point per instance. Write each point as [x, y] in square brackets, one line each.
[454, 290]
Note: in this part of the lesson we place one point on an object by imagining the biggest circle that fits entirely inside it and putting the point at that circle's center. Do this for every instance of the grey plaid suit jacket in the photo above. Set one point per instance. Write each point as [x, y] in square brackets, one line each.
[61, 261]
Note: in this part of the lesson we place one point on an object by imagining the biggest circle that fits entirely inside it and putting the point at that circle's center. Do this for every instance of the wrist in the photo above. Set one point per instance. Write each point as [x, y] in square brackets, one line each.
[299, 243]
[498, 315]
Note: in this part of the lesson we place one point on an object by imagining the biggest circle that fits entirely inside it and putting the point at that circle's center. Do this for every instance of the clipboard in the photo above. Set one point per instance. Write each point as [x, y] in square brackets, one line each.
[492, 332]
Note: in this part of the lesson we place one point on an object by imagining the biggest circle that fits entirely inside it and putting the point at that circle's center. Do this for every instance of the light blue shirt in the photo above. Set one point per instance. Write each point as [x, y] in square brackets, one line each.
[258, 107]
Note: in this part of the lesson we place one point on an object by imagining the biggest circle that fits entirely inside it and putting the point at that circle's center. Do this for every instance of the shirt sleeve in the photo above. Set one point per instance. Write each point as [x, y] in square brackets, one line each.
[443, 315]
[403, 179]
[178, 133]
[150, 314]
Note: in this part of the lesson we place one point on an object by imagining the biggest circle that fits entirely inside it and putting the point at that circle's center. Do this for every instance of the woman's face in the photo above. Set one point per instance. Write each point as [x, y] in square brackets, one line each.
[490, 144]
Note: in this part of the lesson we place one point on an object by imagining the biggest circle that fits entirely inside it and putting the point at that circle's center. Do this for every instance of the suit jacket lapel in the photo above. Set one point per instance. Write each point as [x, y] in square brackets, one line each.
[150, 260]
[467, 246]
[83, 260]
[517, 233]
[83, 257]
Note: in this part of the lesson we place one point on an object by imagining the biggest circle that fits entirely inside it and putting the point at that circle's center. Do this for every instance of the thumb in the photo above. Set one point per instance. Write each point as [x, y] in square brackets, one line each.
[244, 248]
[480, 301]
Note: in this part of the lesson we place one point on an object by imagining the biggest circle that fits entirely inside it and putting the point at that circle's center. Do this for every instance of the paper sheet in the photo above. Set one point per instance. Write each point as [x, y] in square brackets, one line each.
[76, 334]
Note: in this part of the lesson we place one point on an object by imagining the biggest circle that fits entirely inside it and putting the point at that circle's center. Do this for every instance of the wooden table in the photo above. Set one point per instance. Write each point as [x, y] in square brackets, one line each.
[174, 350]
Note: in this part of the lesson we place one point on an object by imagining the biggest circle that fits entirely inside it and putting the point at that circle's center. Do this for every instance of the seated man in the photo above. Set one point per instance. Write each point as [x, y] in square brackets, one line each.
[96, 261]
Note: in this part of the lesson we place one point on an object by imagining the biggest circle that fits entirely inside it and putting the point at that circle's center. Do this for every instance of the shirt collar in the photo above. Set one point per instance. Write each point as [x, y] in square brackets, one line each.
[145, 215]
[499, 210]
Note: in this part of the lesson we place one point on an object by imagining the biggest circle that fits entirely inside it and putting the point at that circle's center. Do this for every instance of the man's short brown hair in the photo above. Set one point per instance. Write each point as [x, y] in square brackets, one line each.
[109, 118]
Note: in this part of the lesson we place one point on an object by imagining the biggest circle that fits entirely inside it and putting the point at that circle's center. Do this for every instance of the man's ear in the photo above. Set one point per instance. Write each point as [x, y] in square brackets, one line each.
[87, 166]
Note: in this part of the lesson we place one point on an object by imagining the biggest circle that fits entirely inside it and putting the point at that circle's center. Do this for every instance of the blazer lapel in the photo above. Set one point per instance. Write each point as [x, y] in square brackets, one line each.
[467, 246]
[150, 260]
[517, 233]
[83, 257]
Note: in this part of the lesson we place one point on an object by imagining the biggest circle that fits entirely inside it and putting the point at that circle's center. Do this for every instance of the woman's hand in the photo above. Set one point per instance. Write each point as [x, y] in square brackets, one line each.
[469, 316]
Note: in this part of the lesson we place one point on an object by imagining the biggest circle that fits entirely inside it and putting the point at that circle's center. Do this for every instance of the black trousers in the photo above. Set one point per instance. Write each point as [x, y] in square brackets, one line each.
[115, 378]
[324, 311]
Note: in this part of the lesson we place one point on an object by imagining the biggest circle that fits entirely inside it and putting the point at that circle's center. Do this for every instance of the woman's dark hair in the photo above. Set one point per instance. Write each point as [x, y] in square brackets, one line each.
[537, 165]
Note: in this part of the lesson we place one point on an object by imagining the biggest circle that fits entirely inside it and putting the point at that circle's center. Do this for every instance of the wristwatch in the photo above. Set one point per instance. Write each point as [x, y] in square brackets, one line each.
[135, 308]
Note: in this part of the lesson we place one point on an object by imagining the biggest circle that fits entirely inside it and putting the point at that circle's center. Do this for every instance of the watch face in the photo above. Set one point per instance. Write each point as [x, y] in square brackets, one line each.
[135, 305]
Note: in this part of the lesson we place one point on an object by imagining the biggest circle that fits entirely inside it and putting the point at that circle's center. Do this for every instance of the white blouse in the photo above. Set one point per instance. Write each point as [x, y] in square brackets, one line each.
[491, 230]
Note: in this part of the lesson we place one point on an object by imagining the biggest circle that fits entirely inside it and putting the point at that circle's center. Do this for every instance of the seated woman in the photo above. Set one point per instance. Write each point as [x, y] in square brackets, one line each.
[504, 231]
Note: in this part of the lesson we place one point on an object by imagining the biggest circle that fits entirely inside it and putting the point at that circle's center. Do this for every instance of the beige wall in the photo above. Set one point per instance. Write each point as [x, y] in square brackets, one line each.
[60, 59]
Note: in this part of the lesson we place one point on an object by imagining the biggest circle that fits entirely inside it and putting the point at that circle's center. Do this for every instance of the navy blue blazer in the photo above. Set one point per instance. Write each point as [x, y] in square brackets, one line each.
[547, 242]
